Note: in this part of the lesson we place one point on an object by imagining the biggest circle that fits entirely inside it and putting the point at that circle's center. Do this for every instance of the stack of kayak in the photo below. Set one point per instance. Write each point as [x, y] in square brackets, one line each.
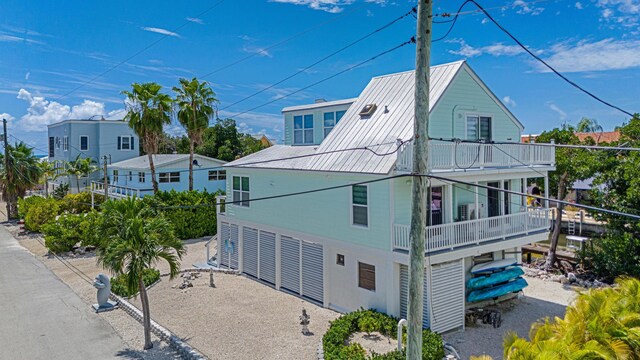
[494, 279]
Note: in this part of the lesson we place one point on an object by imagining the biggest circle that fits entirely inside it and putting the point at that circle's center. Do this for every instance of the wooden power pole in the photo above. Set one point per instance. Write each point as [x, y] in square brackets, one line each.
[106, 181]
[5, 139]
[419, 187]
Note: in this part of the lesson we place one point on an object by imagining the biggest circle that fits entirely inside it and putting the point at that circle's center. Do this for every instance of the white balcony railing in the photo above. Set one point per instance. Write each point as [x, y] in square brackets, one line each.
[116, 191]
[452, 156]
[474, 232]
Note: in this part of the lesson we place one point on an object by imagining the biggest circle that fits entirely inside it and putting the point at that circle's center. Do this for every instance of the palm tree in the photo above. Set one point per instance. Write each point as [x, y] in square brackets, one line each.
[148, 111]
[135, 239]
[81, 167]
[23, 174]
[196, 101]
[49, 172]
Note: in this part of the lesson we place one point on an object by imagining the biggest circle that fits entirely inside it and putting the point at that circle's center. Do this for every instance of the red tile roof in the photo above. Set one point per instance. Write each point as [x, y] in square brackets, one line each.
[603, 137]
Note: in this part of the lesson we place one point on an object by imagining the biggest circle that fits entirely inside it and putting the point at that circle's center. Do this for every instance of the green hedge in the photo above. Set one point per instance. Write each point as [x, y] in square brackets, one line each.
[40, 212]
[62, 234]
[188, 223]
[80, 203]
[341, 329]
[25, 204]
[119, 284]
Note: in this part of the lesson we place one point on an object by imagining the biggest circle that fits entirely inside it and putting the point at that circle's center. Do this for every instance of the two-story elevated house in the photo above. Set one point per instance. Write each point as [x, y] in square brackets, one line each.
[99, 139]
[347, 247]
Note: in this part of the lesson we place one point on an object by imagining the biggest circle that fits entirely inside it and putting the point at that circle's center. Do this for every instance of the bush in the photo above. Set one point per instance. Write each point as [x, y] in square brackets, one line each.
[89, 228]
[63, 234]
[60, 191]
[119, 283]
[25, 204]
[188, 223]
[615, 254]
[40, 213]
[340, 330]
[80, 202]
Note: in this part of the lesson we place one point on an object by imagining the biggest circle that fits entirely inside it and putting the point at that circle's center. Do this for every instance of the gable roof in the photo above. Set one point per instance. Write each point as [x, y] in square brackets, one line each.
[318, 105]
[379, 133]
[159, 160]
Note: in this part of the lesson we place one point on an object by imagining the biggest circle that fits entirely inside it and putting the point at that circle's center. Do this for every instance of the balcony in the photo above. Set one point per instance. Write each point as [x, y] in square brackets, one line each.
[117, 191]
[475, 232]
[451, 156]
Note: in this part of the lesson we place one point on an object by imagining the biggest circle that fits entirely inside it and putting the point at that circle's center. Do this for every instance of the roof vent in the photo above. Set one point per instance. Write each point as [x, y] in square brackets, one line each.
[320, 101]
[368, 110]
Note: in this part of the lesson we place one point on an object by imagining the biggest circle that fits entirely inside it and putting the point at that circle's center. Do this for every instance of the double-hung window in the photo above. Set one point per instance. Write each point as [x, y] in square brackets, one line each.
[52, 144]
[125, 143]
[65, 143]
[303, 129]
[170, 177]
[478, 127]
[84, 143]
[241, 191]
[130, 175]
[215, 175]
[360, 205]
[330, 120]
[141, 177]
[115, 175]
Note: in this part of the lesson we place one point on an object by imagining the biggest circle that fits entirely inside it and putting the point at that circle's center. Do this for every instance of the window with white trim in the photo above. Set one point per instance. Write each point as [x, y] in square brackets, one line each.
[215, 175]
[360, 205]
[130, 175]
[115, 175]
[170, 177]
[241, 191]
[84, 143]
[141, 177]
[478, 127]
[303, 129]
[330, 120]
[65, 143]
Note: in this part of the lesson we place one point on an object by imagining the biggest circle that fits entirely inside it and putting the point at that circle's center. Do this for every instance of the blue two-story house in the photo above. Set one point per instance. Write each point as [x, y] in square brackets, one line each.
[101, 140]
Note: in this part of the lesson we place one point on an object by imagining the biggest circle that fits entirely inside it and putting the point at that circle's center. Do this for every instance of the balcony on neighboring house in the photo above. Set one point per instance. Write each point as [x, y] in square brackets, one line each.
[118, 191]
[475, 232]
[460, 156]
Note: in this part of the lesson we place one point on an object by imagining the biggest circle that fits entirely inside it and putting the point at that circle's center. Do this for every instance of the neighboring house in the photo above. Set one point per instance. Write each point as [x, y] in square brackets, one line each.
[348, 247]
[264, 140]
[101, 139]
[133, 177]
[600, 137]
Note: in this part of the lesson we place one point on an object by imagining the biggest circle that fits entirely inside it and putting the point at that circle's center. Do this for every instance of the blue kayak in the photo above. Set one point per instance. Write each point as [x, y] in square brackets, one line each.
[495, 278]
[497, 291]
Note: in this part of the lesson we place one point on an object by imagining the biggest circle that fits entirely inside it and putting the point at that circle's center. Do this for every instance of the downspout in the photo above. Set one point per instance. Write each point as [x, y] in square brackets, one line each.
[401, 323]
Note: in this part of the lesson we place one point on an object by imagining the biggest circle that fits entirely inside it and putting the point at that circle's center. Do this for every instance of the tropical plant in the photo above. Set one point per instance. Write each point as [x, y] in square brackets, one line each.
[135, 239]
[148, 110]
[119, 283]
[588, 125]
[62, 234]
[21, 173]
[80, 202]
[600, 324]
[81, 167]
[49, 172]
[196, 101]
[40, 213]
[60, 191]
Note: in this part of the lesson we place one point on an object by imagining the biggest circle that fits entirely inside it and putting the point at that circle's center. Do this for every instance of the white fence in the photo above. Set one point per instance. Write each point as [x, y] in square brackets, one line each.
[474, 232]
[452, 156]
[115, 191]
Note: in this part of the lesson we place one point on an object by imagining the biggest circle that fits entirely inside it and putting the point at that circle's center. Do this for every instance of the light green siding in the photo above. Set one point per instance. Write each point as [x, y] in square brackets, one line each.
[466, 97]
[318, 122]
[326, 214]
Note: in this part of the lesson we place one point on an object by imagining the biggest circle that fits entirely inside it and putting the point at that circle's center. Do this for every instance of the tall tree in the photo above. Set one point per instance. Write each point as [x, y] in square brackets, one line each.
[136, 238]
[571, 165]
[49, 172]
[81, 167]
[148, 110]
[196, 101]
[23, 173]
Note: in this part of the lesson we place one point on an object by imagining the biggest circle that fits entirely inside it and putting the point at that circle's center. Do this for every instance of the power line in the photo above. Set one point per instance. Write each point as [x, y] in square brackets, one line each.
[138, 52]
[387, 25]
[412, 40]
[590, 147]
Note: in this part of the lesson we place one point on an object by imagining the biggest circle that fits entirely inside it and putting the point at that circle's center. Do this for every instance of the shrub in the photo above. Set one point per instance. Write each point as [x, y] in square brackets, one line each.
[368, 324]
[89, 228]
[614, 255]
[60, 191]
[188, 223]
[40, 213]
[63, 234]
[353, 351]
[80, 202]
[340, 330]
[119, 286]
[28, 202]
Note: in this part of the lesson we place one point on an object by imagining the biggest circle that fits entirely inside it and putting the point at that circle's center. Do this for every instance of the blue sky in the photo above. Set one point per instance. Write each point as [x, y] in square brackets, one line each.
[49, 48]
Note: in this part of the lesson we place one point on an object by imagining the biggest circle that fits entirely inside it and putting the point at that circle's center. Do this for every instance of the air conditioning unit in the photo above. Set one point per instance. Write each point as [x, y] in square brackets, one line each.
[469, 211]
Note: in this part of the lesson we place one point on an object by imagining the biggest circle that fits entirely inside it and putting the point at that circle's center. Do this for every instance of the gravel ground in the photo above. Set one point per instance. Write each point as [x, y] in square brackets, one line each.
[239, 318]
[541, 299]
[376, 342]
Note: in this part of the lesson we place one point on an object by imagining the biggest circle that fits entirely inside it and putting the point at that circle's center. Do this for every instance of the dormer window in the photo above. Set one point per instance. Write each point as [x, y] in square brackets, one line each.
[330, 120]
[303, 129]
[368, 110]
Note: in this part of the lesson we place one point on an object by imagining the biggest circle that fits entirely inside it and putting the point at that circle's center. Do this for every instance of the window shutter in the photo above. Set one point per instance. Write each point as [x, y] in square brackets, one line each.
[119, 143]
[131, 144]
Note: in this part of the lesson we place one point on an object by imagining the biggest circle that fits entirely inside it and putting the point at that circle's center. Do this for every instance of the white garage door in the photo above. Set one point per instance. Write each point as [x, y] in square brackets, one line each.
[250, 251]
[290, 264]
[312, 277]
[404, 296]
[228, 245]
[301, 265]
[267, 257]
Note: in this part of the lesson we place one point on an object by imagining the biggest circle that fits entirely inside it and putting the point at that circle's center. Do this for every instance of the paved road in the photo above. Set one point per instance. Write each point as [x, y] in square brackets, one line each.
[41, 317]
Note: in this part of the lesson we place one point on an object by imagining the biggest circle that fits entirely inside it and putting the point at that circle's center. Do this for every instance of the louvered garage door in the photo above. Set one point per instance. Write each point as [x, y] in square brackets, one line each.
[404, 296]
[267, 257]
[229, 245]
[250, 251]
[448, 295]
[312, 279]
[290, 264]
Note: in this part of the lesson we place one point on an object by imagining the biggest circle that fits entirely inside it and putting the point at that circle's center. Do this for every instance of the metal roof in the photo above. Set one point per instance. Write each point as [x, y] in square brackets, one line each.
[394, 96]
[319, 105]
[159, 160]
[295, 157]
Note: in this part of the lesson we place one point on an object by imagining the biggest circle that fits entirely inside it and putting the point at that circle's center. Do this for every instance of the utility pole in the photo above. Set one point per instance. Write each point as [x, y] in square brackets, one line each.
[6, 166]
[419, 186]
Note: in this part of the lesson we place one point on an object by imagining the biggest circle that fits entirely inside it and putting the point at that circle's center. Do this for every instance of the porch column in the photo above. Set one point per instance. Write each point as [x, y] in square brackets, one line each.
[449, 206]
[524, 190]
[477, 189]
[546, 190]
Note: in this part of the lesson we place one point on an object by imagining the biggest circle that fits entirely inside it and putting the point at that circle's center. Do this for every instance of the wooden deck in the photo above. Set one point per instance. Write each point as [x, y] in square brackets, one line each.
[528, 250]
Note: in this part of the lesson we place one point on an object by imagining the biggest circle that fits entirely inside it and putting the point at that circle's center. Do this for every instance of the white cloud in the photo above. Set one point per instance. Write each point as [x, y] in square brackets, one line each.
[497, 49]
[11, 38]
[42, 112]
[195, 20]
[116, 114]
[268, 124]
[9, 119]
[579, 5]
[331, 6]
[161, 31]
[26, 76]
[257, 50]
[507, 100]
[620, 12]
[484, 21]
[607, 54]
[560, 112]
[524, 7]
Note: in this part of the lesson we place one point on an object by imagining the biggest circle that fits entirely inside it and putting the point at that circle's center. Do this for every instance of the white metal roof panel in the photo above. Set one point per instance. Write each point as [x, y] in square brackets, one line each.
[159, 160]
[319, 105]
[294, 157]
